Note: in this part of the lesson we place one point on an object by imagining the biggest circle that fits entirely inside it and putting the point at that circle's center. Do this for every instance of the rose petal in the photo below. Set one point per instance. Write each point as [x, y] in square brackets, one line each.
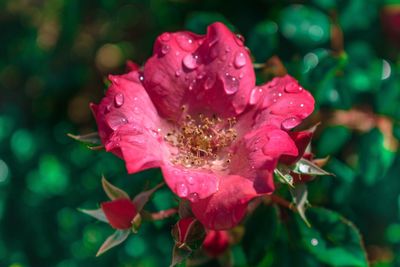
[211, 73]
[192, 184]
[129, 125]
[119, 213]
[301, 139]
[226, 207]
[257, 154]
[283, 103]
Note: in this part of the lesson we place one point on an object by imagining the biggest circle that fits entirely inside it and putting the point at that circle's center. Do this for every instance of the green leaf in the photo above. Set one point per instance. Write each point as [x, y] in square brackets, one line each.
[113, 240]
[97, 214]
[304, 166]
[326, 147]
[264, 219]
[142, 198]
[300, 194]
[375, 158]
[332, 239]
[199, 21]
[89, 139]
[112, 191]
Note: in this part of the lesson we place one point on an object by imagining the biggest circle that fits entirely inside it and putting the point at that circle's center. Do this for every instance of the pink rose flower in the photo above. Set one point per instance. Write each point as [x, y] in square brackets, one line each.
[196, 113]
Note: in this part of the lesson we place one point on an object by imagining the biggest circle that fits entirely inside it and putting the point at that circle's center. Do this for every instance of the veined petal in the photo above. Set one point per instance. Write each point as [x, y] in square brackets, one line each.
[226, 207]
[192, 184]
[283, 103]
[129, 125]
[211, 73]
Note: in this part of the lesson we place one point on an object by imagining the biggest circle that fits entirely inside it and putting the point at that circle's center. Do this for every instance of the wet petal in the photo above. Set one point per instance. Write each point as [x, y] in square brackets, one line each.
[192, 184]
[227, 207]
[129, 125]
[211, 73]
[283, 103]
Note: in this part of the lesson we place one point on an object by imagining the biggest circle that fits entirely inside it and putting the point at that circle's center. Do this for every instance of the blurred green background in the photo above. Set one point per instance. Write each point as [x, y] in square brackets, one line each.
[55, 55]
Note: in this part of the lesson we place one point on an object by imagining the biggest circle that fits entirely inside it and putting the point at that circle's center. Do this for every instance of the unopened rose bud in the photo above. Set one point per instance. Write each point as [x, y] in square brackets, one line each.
[119, 213]
[216, 243]
[188, 233]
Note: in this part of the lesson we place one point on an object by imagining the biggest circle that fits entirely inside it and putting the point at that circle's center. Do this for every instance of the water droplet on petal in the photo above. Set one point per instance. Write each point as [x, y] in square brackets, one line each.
[290, 123]
[165, 37]
[178, 73]
[190, 61]
[227, 49]
[118, 100]
[193, 197]
[302, 105]
[239, 39]
[191, 180]
[192, 84]
[116, 119]
[165, 49]
[240, 60]
[293, 88]
[209, 82]
[255, 95]
[141, 77]
[136, 110]
[182, 190]
[231, 84]
[185, 42]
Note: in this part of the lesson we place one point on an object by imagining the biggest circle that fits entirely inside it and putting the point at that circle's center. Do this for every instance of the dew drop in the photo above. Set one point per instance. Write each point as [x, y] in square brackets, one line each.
[191, 180]
[231, 84]
[165, 49]
[118, 100]
[136, 110]
[239, 39]
[208, 84]
[240, 60]
[178, 73]
[141, 77]
[182, 190]
[165, 37]
[185, 42]
[290, 123]
[192, 85]
[193, 197]
[293, 88]
[255, 95]
[116, 119]
[190, 61]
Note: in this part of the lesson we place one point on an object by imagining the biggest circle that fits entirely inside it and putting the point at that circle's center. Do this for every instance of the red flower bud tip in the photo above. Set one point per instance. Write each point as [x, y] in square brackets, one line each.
[183, 227]
[216, 243]
[119, 212]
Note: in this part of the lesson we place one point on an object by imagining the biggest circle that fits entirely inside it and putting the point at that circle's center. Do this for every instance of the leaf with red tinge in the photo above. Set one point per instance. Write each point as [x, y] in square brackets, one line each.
[97, 214]
[113, 240]
[112, 191]
[141, 199]
[89, 139]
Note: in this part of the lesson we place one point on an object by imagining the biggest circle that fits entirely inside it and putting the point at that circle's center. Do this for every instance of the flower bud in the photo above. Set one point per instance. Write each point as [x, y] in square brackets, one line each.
[119, 213]
[216, 243]
[188, 233]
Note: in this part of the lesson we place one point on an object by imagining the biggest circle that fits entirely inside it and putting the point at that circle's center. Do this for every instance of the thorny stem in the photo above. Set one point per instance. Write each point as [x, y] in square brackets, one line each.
[160, 215]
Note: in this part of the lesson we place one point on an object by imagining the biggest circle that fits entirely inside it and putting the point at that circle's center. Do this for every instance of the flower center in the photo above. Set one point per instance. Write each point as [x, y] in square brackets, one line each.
[201, 141]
